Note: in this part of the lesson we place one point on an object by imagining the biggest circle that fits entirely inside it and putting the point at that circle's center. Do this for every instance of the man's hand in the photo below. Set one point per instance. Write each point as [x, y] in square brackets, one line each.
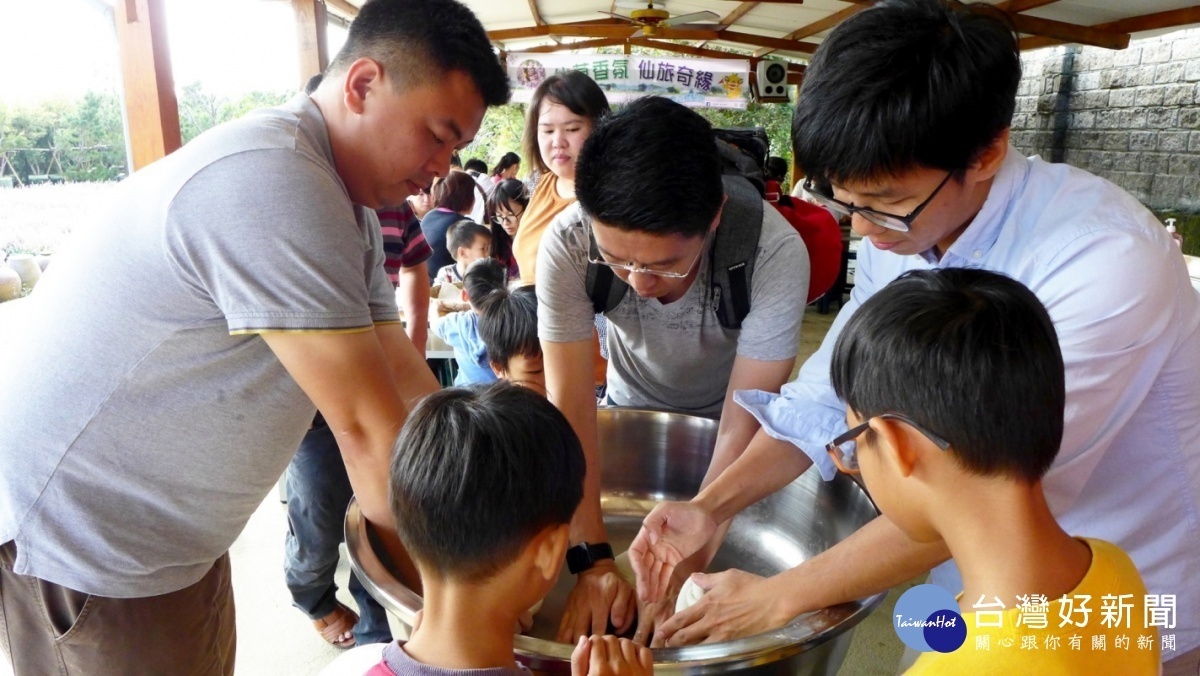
[599, 593]
[670, 533]
[651, 616]
[610, 656]
[735, 604]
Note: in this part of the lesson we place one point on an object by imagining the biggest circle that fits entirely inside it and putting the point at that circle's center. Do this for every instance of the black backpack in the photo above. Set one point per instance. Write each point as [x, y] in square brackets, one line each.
[743, 154]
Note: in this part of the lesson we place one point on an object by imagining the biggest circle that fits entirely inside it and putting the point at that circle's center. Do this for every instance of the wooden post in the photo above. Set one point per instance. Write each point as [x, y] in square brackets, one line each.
[310, 38]
[151, 111]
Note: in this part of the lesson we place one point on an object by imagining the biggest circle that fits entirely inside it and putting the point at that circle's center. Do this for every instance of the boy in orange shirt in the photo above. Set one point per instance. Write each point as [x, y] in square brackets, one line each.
[954, 390]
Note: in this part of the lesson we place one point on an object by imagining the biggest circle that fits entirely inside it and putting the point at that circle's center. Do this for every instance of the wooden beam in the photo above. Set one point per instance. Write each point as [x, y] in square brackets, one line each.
[629, 31]
[677, 48]
[1069, 32]
[1013, 6]
[584, 44]
[544, 30]
[733, 17]
[1149, 22]
[537, 16]
[818, 26]
[1134, 24]
[310, 38]
[152, 113]
[764, 41]
[344, 8]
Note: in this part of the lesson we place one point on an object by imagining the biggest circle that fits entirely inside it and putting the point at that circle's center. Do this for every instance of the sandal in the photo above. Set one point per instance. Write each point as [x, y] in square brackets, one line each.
[337, 627]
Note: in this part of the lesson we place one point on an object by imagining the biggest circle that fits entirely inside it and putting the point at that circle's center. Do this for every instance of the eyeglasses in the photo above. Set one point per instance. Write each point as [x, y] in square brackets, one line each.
[883, 220]
[595, 257]
[510, 217]
[847, 460]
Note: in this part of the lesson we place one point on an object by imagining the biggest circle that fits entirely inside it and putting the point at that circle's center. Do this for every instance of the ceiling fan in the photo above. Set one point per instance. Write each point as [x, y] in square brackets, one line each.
[651, 20]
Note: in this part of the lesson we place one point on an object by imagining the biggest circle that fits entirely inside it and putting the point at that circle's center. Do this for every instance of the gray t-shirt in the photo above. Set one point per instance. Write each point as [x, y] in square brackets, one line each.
[152, 419]
[675, 356]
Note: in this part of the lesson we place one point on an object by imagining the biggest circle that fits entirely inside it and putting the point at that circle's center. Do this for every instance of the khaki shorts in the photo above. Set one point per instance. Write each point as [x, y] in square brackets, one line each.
[49, 629]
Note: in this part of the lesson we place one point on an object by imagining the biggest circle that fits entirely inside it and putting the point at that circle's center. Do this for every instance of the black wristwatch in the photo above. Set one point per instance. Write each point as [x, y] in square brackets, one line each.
[584, 555]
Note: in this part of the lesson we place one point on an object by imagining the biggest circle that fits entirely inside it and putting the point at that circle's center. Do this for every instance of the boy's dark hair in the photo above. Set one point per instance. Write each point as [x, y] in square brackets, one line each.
[464, 234]
[652, 167]
[419, 41]
[972, 355]
[776, 169]
[477, 473]
[455, 192]
[507, 160]
[573, 89]
[906, 84]
[477, 165]
[483, 278]
[508, 324]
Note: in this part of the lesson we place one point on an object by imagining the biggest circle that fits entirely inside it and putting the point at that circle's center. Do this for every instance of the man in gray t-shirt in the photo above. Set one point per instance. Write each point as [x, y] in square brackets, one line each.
[179, 349]
[651, 195]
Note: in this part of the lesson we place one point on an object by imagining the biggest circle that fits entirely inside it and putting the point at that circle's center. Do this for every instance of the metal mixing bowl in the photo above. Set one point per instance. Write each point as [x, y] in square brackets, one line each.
[650, 456]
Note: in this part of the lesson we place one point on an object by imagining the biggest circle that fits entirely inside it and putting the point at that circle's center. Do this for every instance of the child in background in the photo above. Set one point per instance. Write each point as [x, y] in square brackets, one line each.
[460, 330]
[484, 483]
[508, 329]
[954, 389]
[467, 242]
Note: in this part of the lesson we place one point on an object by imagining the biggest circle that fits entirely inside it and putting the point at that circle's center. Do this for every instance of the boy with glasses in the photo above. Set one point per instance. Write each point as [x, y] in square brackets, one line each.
[652, 197]
[905, 112]
[954, 391]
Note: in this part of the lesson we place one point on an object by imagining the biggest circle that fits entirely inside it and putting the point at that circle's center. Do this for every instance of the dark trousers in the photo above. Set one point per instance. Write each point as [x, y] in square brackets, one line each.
[318, 493]
[46, 628]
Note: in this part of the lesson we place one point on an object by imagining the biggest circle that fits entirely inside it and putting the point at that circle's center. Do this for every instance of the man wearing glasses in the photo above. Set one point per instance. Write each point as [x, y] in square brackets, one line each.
[651, 196]
[905, 110]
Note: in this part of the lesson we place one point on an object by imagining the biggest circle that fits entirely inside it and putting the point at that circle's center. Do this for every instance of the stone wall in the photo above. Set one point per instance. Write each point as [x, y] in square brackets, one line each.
[1131, 116]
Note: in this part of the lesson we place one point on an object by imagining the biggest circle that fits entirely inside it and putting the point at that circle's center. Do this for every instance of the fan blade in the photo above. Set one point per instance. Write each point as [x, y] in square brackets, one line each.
[620, 16]
[688, 18]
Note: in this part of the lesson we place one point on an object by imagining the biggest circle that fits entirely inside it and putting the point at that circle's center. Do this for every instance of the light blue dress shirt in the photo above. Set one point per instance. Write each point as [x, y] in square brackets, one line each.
[1128, 322]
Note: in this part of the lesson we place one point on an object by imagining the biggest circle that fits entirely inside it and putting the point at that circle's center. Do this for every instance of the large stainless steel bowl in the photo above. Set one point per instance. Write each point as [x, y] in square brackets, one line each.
[650, 456]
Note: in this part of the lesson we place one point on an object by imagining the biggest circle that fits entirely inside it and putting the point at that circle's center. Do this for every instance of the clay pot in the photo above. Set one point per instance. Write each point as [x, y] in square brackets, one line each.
[10, 283]
[27, 267]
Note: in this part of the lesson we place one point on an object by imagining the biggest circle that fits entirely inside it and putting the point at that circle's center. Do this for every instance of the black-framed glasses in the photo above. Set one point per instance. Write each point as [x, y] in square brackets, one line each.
[510, 217]
[595, 257]
[847, 459]
[883, 220]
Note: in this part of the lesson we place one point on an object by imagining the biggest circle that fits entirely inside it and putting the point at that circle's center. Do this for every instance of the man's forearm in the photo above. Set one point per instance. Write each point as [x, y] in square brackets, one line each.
[874, 559]
[767, 466]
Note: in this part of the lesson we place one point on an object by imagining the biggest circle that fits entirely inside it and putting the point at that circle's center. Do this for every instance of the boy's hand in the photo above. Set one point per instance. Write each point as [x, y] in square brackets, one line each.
[610, 656]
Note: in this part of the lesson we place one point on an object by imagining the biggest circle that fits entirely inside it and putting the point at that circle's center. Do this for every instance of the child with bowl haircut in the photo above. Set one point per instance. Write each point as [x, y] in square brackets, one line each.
[467, 242]
[484, 482]
[460, 329]
[954, 390]
[508, 329]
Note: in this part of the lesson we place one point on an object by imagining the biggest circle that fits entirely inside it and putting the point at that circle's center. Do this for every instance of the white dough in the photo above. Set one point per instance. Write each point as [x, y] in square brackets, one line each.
[689, 594]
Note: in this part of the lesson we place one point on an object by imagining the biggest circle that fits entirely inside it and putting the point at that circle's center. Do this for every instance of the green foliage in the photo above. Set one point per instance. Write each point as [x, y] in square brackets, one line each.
[499, 133]
[200, 110]
[84, 140]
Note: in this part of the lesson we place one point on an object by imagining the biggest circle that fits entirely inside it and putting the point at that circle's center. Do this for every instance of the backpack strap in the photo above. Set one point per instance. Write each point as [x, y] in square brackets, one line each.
[731, 264]
[734, 250]
[604, 289]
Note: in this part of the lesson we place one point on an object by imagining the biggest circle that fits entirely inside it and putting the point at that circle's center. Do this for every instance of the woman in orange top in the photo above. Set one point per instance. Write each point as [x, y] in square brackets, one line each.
[561, 115]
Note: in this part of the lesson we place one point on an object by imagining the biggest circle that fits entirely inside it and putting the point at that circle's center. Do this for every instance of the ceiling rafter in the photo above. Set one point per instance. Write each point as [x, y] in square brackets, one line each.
[1023, 5]
[1069, 32]
[583, 44]
[733, 17]
[818, 26]
[343, 8]
[1134, 24]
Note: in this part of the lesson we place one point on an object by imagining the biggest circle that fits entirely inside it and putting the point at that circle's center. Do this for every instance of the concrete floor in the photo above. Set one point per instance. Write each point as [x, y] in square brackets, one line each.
[274, 638]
